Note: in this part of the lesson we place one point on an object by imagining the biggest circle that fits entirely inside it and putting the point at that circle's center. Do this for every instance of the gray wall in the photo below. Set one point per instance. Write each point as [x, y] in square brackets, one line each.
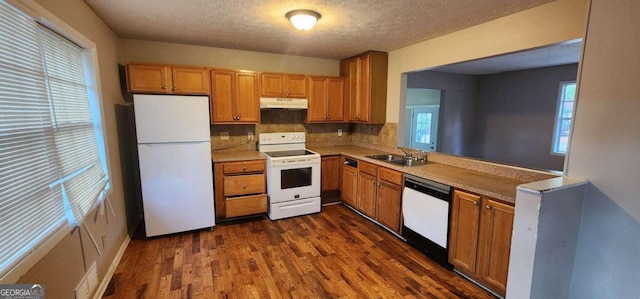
[457, 109]
[516, 116]
[605, 149]
[506, 117]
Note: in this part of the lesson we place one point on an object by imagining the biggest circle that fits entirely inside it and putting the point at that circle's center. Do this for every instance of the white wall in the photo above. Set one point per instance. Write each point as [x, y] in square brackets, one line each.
[605, 149]
[547, 24]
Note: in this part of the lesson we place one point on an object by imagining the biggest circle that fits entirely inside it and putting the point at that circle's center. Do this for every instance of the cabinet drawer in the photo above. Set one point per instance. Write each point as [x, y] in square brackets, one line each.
[243, 167]
[368, 168]
[391, 176]
[244, 184]
[246, 205]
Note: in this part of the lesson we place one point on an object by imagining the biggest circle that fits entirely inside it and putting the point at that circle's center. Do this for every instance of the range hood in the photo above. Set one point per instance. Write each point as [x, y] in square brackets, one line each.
[283, 103]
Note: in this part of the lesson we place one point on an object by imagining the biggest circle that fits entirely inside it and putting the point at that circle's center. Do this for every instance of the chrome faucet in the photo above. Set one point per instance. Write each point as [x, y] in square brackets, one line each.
[406, 154]
[420, 155]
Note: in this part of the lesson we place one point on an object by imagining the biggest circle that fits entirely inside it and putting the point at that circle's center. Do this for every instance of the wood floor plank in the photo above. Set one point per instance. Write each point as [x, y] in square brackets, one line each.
[332, 254]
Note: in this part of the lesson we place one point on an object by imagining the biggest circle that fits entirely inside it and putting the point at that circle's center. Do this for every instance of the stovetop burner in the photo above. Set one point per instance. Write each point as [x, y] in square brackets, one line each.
[289, 153]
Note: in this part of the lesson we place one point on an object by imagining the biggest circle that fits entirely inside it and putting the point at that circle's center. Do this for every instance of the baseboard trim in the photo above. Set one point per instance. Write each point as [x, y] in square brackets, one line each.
[114, 265]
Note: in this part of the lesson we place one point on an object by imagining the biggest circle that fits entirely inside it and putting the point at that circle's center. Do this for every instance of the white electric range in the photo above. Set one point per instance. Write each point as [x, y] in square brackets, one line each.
[293, 175]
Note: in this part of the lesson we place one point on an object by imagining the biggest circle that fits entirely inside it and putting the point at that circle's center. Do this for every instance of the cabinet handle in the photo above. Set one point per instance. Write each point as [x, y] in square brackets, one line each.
[163, 80]
[244, 187]
[239, 117]
[244, 168]
[475, 203]
[174, 89]
[488, 207]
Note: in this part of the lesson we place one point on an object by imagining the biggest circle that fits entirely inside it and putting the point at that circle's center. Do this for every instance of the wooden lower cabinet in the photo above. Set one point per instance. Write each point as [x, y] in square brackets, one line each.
[378, 193]
[496, 226]
[240, 188]
[389, 198]
[330, 173]
[349, 184]
[480, 239]
[366, 194]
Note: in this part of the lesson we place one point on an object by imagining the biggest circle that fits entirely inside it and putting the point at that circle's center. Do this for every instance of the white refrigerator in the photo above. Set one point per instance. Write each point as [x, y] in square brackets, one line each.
[174, 151]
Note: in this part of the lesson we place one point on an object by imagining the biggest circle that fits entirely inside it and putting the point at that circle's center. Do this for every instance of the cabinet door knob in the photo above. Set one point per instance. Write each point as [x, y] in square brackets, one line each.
[244, 168]
[174, 89]
[164, 87]
[244, 187]
[488, 207]
[475, 203]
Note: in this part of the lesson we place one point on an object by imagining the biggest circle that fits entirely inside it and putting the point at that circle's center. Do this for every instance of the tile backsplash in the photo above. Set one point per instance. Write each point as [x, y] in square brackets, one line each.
[280, 120]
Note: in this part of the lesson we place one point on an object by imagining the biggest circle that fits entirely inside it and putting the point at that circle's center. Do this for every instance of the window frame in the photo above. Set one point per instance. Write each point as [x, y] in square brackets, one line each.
[558, 116]
[94, 90]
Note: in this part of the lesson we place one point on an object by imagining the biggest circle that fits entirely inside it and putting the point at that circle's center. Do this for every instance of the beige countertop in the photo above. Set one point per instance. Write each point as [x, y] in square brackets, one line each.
[232, 156]
[501, 188]
[498, 187]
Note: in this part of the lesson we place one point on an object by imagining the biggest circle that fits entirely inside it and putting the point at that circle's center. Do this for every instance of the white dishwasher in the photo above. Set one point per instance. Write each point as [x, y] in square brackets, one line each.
[426, 210]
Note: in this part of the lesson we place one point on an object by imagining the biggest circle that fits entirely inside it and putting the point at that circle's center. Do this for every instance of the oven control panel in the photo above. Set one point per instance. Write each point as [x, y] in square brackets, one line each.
[281, 138]
[282, 162]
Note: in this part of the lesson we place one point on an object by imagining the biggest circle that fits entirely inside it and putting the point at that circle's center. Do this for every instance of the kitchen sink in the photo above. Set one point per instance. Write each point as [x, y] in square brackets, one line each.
[386, 157]
[397, 159]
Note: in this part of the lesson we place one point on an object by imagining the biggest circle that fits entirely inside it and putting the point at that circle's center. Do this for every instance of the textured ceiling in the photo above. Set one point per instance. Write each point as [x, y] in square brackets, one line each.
[347, 27]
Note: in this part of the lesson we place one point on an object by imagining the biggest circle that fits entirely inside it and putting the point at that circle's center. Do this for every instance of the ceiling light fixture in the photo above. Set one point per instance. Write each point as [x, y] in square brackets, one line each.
[303, 19]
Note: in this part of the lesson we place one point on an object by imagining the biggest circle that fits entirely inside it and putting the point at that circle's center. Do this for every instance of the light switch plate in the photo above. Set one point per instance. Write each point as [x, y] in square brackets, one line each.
[224, 135]
[339, 132]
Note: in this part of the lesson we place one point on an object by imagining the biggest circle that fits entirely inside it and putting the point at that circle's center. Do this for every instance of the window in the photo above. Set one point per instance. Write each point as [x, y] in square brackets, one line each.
[52, 158]
[564, 114]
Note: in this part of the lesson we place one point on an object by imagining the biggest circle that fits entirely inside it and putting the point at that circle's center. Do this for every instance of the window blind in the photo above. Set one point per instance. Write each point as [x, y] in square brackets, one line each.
[29, 209]
[82, 175]
[52, 165]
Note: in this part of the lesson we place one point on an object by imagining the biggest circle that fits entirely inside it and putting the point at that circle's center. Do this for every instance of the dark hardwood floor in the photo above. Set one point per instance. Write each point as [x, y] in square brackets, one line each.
[333, 254]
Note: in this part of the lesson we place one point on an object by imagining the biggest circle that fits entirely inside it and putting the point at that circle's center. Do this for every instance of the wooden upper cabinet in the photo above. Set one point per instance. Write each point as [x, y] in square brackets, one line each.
[190, 80]
[223, 102]
[296, 86]
[317, 110]
[235, 97]
[335, 98]
[350, 71]
[325, 99]
[366, 96]
[167, 79]
[247, 97]
[147, 78]
[283, 85]
[272, 85]
[364, 88]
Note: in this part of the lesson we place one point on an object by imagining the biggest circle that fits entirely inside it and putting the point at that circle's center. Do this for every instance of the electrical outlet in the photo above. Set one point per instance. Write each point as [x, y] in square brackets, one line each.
[250, 135]
[339, 132]
[224, 135]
